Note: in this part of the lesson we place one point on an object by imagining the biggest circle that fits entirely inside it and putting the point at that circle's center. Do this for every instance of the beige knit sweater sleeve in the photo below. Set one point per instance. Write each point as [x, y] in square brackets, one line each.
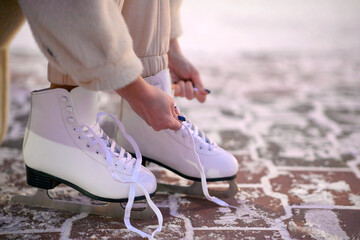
[87, 40]
[176, 30]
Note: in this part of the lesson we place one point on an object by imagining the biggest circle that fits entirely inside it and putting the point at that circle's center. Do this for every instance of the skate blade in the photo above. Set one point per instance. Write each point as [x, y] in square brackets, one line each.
[195, 189]
[42, 199]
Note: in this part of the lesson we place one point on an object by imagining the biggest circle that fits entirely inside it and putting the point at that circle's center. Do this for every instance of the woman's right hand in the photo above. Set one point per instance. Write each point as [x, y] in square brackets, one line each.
[153, 105]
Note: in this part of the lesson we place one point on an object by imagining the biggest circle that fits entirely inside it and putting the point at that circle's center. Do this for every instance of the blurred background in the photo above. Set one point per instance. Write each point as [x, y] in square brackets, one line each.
[233, 27]
[237, 26]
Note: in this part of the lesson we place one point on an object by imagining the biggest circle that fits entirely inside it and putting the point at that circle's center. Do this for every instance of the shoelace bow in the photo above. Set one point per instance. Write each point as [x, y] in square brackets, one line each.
[111, 150]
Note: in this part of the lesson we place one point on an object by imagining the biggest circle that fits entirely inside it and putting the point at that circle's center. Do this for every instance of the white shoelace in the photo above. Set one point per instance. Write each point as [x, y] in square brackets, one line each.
[194, 133]
[198, 135]
[111, 151]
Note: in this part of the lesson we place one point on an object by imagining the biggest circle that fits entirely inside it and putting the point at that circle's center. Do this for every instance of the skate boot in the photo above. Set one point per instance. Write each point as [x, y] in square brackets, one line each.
[64, 143]
[187, 152]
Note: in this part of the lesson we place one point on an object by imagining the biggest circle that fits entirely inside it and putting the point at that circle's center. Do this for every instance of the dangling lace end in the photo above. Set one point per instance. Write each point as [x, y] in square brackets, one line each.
[203, 176]
[132, 182]
[151, 204]
[221, 203]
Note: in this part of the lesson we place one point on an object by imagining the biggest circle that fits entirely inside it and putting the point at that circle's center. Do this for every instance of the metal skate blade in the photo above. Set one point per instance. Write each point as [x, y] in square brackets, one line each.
[42, 199]
[195, 189]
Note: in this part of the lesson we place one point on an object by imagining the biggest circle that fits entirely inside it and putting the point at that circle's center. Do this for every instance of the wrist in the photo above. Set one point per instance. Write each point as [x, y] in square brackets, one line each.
[174, 47]
[139, 88]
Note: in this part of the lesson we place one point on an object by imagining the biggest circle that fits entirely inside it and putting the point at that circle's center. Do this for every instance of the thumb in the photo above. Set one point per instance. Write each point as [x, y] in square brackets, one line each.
[175, 124]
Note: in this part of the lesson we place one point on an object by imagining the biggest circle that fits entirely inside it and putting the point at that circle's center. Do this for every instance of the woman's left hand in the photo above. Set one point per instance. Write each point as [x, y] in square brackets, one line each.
[186, 78]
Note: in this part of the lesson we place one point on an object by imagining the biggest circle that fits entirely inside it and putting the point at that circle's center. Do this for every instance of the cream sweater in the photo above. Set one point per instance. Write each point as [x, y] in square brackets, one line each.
[103, 44]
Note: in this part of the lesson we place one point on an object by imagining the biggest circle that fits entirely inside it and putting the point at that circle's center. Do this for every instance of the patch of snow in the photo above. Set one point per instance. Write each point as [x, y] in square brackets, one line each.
[355, 199]
[318, 190]
[324, 224]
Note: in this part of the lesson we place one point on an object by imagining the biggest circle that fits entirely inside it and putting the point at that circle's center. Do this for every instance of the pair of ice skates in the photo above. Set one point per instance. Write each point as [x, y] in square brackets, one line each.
[64, 143]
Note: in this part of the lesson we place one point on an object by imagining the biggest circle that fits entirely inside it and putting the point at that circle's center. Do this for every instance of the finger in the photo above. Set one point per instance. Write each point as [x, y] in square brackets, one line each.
[177, 115]
[175, 124]
[177, 90]
[174, 77]
[176, 110]
[181, 84]
[156, 128]
[189, 90]
[200, 97]
[196, 79]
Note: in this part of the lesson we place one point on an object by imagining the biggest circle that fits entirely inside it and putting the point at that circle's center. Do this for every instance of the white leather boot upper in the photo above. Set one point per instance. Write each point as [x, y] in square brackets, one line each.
[174, 149]
[58, 141]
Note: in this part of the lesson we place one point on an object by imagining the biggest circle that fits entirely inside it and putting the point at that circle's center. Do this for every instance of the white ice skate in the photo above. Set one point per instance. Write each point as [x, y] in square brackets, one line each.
[63, 143]
[187, 152]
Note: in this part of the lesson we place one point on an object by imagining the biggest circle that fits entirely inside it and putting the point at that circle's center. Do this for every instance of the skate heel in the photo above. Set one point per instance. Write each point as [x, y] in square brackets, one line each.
[145, 163]
[39, 179]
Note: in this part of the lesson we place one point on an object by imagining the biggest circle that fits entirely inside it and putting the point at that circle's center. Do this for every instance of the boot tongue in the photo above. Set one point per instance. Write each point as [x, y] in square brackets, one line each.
[85, 105]
[161, 80]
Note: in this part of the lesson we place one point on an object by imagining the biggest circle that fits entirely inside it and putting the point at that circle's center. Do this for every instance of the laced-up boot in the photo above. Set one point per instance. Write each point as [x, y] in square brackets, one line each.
[187, 152]
[64, 143]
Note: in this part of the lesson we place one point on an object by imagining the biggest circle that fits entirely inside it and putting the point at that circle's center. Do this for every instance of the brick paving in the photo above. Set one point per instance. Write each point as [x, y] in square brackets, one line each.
[293, 123]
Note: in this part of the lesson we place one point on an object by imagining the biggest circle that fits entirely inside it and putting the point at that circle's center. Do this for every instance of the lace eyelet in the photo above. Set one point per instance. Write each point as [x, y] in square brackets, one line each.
[69, 109]
[200, 148]
[79, 137]
[97, 152]
[88, 145]
[70, 120]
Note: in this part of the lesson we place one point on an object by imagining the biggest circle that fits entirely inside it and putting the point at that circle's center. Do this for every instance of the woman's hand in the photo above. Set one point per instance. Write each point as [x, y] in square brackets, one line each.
[184, 75]
[151, 104]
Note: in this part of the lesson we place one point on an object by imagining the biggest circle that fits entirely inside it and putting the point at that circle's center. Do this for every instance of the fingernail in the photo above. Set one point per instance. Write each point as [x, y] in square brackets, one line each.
[181, 118]
[208, 91]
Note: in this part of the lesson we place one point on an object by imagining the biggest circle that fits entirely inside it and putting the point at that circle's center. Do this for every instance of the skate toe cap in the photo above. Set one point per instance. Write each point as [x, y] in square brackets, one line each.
[222, 165]
[147, 179]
